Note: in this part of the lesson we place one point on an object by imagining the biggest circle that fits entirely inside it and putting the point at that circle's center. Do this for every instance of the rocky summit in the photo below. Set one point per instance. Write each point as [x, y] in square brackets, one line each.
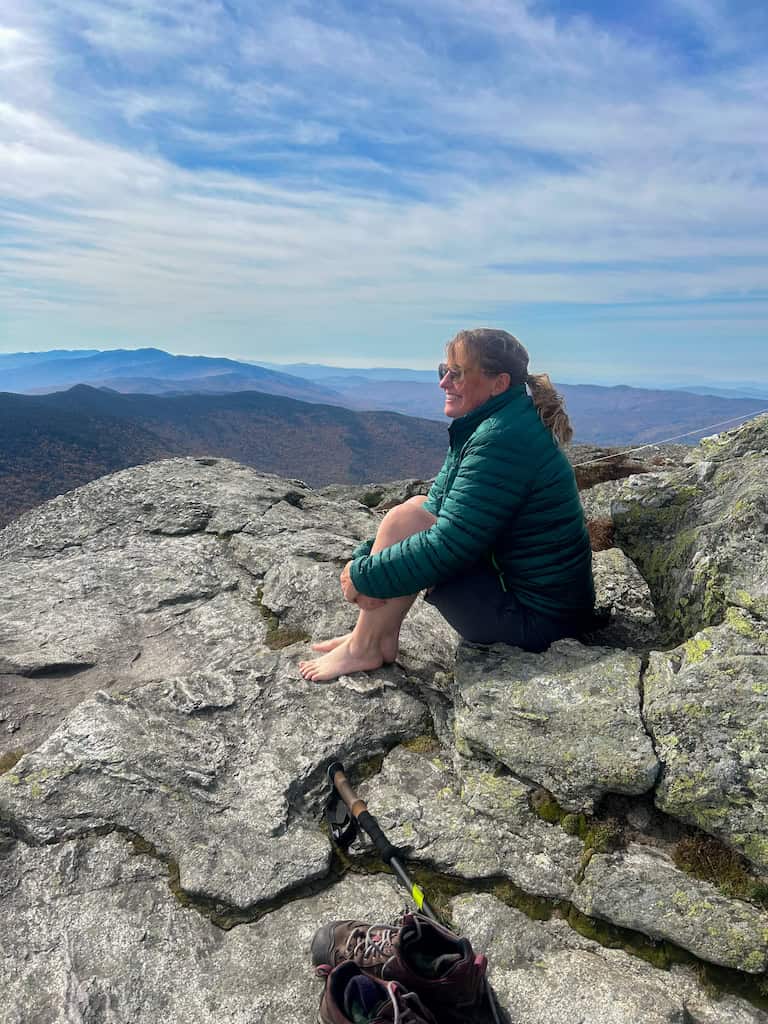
[594, 818]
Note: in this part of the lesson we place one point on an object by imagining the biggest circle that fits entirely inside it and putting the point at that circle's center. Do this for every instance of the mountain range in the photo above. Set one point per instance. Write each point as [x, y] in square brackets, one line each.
[67, 417]
[52, 443]
[600, 415]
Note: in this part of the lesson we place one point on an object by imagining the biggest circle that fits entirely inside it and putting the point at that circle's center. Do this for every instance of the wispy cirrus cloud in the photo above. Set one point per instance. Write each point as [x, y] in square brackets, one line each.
[202, 174]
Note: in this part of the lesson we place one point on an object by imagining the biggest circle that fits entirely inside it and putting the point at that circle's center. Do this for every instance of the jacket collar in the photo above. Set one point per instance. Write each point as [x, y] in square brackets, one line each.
[461, 428]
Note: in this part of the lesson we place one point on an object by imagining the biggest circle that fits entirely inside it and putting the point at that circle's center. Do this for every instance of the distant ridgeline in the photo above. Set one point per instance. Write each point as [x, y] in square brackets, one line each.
[67, 417]
[52, 443]
[601, 415]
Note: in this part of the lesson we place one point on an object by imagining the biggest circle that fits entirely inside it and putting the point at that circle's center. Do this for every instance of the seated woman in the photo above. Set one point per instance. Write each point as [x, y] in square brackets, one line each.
[499, 542]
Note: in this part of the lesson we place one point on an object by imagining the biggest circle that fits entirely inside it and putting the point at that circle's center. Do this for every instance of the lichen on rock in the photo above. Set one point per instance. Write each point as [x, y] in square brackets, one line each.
[699, 537]
[568, 719]
[705, 705]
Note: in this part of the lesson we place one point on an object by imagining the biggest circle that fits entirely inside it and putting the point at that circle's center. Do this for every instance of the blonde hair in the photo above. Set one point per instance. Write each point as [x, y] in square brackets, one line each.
[493, 352]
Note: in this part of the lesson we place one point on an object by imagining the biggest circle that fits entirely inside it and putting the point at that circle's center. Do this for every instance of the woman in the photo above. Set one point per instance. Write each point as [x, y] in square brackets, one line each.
[499, 541]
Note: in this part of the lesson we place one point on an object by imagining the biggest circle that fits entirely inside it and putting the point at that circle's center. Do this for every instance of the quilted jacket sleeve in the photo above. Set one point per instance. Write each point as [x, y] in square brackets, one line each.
[492, 481]
[432, 504]
[363, 548]
[435, 496]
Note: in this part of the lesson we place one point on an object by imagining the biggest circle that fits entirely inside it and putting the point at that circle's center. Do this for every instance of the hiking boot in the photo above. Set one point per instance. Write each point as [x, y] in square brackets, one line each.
[367, 945]
[352, 997]
[422, 956]
[439, 967]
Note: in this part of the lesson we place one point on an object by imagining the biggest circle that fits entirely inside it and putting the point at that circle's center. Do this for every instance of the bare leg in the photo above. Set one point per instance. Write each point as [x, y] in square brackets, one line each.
[375, 637]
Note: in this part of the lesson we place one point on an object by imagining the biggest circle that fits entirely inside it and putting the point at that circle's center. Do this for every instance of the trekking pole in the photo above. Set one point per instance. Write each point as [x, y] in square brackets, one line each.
[343, 831]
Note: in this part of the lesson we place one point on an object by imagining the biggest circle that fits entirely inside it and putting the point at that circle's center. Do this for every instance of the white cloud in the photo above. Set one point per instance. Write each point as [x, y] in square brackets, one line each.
[367, 166]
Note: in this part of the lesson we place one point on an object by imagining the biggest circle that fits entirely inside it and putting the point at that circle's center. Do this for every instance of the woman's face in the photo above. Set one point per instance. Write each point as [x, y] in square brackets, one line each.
[470, 389]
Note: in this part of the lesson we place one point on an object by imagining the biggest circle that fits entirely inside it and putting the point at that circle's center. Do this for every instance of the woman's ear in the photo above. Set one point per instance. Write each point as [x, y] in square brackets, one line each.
[501, 384]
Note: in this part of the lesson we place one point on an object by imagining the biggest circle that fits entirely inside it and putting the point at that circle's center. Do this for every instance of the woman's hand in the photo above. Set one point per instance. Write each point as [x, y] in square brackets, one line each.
[354, 596]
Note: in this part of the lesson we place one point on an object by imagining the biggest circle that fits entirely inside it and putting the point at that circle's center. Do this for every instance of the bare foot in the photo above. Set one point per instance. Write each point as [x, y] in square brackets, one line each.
[341, 661]
[332, 644]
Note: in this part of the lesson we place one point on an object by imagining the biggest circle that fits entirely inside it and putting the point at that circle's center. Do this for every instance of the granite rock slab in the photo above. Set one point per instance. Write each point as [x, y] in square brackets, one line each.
[568, 719]
[706, 704]
[699, 535]
[91, 932]
[641, 888]
[223, 771]
[474, 825]
[622, 591]
[545, 973]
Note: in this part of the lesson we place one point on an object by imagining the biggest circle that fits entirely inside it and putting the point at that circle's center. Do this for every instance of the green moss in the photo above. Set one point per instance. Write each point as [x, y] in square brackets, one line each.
[9, 759]
[602, 836]
[532, 906]
[544, 806]
[696, 648]
[278, 636]
[371, 498]
[574, 824]
[660, 954]
[426, 743]
[706, 858]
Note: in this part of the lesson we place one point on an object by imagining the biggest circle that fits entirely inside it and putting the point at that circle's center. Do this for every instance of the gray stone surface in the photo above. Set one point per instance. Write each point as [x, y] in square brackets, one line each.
[544, 973]
[90, 932]
[150, 625]
[171, 568]
[476, 826]
[376, 496]
[222, 771]
[568, 719]
[705, 703]
[304, 594]
[642, 889]
[137, 577]
[621, 590]
[596, 501]
[699, 535]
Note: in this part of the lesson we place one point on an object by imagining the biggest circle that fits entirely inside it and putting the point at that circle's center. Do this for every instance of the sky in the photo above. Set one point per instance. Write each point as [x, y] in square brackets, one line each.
[352, 182]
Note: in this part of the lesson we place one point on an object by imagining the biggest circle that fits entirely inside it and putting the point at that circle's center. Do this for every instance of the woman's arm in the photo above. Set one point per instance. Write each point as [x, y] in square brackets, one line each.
[492, 481]
[435, 495]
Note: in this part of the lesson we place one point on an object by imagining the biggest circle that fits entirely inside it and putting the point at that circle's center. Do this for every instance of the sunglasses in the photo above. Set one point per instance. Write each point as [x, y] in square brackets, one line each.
[454, 375]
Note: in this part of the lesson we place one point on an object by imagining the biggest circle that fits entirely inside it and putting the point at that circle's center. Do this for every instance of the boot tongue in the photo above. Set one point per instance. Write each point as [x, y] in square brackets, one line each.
[362, 999]
[433, 966]
[442, 964]
[426, 962]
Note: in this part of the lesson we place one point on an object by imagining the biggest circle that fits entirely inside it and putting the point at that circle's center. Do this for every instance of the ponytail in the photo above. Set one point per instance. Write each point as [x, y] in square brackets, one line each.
[550, 406]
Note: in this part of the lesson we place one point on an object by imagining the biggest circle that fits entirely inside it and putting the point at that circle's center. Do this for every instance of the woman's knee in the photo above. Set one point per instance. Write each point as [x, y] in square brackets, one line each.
[406, 519]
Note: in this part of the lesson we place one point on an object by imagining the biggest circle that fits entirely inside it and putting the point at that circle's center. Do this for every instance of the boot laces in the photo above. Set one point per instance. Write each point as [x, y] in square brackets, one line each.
[407, 1006]
[372, 944]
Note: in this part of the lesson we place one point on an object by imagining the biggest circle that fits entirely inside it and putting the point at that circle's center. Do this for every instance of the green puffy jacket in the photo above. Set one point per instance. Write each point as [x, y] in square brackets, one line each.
[507, 495]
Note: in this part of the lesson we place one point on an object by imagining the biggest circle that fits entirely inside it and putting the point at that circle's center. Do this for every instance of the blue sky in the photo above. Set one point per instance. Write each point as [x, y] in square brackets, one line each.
[353, 182]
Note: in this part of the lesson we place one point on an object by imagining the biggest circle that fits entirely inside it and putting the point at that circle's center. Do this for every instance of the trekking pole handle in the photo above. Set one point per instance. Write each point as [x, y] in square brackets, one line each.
[341, 783]
[359, 810]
